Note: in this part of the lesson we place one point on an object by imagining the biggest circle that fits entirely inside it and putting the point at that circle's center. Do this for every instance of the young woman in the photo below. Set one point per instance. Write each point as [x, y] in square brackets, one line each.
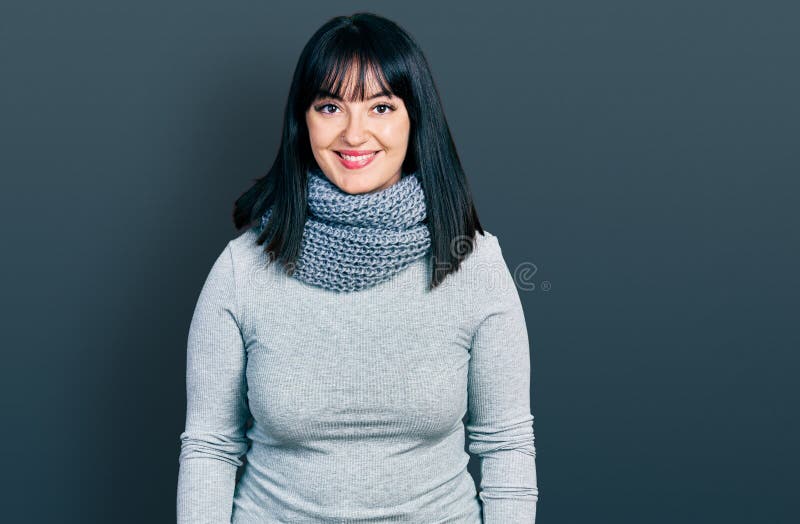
[342, 340]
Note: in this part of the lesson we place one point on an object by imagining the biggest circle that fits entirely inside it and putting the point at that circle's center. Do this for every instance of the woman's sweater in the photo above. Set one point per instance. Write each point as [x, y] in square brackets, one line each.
[357, 399]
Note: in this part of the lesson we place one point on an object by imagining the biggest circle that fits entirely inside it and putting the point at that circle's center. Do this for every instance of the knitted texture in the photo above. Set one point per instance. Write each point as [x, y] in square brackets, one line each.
[354, 241]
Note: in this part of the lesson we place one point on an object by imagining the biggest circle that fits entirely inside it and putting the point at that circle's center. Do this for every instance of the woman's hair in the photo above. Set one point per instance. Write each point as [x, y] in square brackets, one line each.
[376, 44]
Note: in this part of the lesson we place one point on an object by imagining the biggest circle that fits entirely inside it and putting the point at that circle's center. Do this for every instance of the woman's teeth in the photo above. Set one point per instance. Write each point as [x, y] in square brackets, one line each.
[355, 158]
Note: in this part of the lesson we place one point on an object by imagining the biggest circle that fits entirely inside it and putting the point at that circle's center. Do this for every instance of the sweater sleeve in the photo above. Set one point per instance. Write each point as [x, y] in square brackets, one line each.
[500, 423]
[216, 402]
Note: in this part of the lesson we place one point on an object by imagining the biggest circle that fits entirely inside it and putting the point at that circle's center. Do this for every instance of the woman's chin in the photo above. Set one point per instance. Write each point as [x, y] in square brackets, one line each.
[361, 182]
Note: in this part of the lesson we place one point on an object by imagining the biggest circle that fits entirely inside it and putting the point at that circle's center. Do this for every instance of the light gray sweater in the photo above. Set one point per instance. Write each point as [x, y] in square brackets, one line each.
[357, 399]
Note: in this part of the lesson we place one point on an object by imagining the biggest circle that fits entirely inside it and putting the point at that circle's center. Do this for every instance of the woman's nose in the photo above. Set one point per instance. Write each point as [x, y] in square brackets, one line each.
[355, 132]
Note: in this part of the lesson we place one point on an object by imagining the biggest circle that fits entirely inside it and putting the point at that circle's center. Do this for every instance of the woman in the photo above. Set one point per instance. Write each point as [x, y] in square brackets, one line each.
[359, 318]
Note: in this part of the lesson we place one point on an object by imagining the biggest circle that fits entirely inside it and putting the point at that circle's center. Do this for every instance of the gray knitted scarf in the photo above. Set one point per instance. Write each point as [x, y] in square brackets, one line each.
[351, 242]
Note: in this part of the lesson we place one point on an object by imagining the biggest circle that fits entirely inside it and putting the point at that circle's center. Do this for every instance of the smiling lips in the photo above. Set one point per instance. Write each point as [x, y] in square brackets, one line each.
[355, 159]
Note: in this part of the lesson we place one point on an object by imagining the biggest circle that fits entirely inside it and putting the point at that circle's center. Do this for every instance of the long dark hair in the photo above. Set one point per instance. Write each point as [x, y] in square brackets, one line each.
[376, 44]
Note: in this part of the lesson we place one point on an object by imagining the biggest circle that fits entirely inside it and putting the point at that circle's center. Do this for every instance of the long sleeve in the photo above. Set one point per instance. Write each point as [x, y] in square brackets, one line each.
[216, 402]
[500, 423]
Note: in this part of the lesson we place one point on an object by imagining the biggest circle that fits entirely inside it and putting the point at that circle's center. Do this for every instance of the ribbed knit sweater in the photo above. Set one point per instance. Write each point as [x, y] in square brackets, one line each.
[358, 400]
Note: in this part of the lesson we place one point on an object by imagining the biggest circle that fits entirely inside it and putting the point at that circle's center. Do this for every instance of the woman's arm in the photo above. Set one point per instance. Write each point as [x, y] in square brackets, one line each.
[500, 425]
[216, 402]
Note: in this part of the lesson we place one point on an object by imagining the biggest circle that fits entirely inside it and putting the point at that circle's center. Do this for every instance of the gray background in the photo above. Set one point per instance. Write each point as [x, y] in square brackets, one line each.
[643, 155]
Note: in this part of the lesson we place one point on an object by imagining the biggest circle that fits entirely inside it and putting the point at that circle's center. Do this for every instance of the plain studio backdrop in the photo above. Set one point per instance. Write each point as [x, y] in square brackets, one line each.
[637, 159]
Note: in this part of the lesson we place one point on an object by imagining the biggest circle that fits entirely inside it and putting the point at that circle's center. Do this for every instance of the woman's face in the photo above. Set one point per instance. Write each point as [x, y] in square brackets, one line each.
[372, 133]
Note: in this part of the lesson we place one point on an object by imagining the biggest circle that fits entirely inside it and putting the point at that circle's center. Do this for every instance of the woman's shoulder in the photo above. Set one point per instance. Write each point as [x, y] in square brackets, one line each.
[244, 246]
[248, 258]
[486, 249]
[245, 240]
[489, 273]
[486, 239]
[483, 262]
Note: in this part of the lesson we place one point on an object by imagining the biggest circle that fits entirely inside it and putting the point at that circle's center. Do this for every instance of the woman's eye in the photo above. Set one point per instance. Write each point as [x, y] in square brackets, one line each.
[382, 109]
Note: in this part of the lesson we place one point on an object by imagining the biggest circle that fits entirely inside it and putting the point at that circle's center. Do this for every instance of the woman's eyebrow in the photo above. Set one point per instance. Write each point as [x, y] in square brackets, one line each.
[322, 93]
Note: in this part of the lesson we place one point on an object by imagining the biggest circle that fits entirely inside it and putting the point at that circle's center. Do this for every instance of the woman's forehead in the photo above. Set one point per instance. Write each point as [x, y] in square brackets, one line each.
[348, 86]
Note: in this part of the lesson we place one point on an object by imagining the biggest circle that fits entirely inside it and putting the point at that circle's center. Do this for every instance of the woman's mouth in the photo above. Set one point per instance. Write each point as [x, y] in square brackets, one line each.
[356, 161]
